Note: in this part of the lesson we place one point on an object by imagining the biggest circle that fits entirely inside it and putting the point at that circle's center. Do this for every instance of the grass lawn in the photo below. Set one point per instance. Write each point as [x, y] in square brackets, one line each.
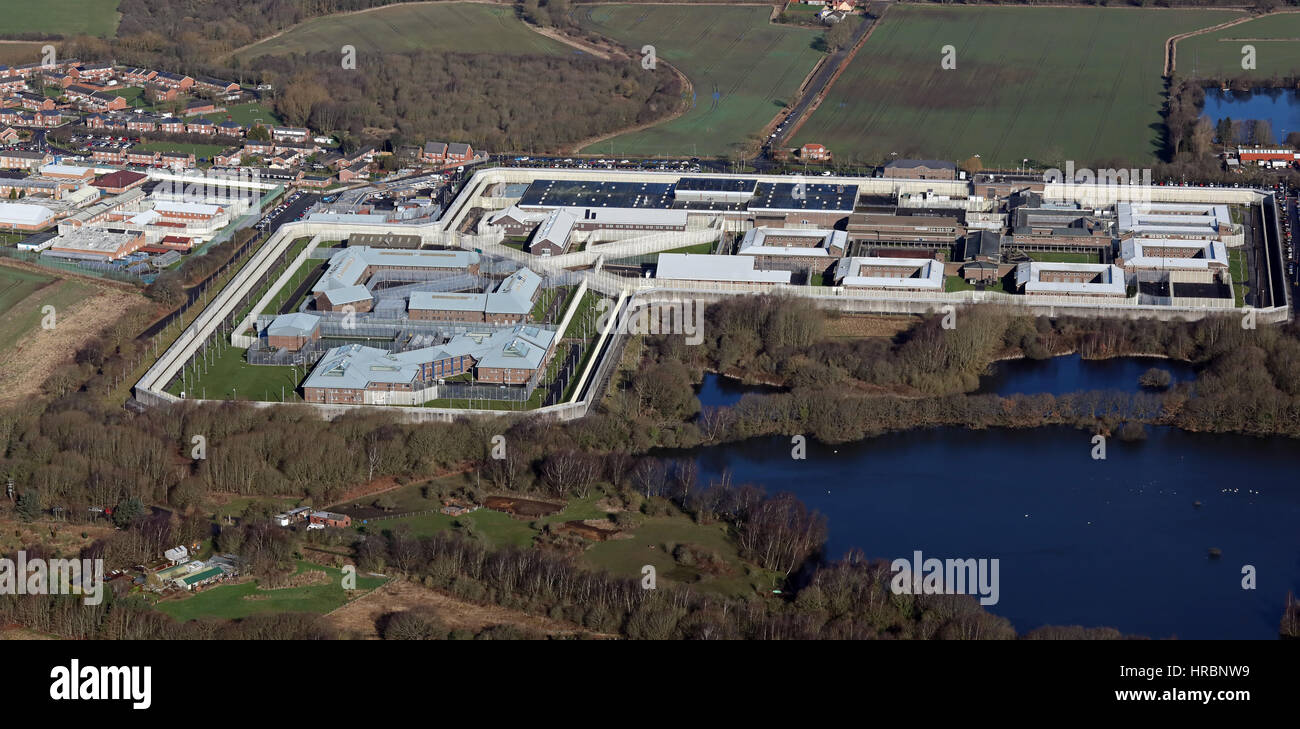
[311, 268]
[65, 17]
[23, 298]
[544, 300]
[1237, 269]
[245, 114]
[1219, 53]
[230, 377]
[653, 542]
[200, 151]
[744, 70]
[697, 248]
[238, 601]
[1051, 84]
[397, 29]
[134, 95]
[1061, 257]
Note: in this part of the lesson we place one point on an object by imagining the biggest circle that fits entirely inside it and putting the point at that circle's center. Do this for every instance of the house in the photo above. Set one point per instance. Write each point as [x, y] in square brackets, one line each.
[814, 152]
[330, 519]
[444, 153]
[201, 126]
[177, 555]
[137, 76]
[921, 169]
[172, 125]
[200, 106]
[8, 135]
[21, 159]
[176, 81]
[290, 134]
[230, 128]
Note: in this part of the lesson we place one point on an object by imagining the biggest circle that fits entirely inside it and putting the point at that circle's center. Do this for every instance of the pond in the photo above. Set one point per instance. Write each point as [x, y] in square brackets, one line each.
[1280, 107]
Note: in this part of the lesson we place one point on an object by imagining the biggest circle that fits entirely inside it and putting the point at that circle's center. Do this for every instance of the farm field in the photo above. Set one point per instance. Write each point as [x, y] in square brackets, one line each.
[742, 67]
[1087, 88]
[468, 27]
[1276, 39]
[65, 17]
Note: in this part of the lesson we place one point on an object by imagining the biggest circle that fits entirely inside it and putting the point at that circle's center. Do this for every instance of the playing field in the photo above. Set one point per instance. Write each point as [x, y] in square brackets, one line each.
[1275, 38]
[466, 27]
[1048, 84]
[743, 69]
[65, 17]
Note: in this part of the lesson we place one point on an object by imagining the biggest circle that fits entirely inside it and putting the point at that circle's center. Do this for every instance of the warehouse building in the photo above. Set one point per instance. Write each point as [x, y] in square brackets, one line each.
[24, 216]
[97, 244]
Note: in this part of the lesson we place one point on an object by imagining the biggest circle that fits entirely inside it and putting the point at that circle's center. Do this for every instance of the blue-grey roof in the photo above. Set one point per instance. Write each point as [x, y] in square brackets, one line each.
[514, 296]
[293, 325]
[347, 266]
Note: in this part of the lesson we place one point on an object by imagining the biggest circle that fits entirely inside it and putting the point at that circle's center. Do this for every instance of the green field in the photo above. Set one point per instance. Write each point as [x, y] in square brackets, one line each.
[23, 297]
[239, 601]
[200, 151]
[470, 27]
[1049, 84]
[245, 114]
[743, 68]
[1276, 39]
[230, 377]
[65, 17]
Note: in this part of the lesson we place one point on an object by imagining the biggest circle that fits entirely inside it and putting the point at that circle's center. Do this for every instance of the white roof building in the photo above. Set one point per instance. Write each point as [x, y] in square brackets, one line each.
[820, 243]
[910, 274]
[23, 214]
[1174, 220]
[1173, 253]
[709, 267]
[1070, 279]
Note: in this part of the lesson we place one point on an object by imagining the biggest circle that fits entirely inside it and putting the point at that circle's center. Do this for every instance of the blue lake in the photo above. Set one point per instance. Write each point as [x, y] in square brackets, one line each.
[1073, 373]
[1118, 542]
[1280, 107]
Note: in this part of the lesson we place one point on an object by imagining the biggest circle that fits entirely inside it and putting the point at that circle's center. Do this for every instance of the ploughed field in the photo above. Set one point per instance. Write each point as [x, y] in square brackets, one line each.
[742, 68]
[1048, 84]
[465, 27]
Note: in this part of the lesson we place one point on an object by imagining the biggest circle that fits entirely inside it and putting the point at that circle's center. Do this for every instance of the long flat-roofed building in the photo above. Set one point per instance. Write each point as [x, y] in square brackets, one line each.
[709, 267]
[905, 228]
[511, 303]
[1203, 221]
[893, 274]
[1070, 279]
[784, 204]
[97, 244]
[24, 216]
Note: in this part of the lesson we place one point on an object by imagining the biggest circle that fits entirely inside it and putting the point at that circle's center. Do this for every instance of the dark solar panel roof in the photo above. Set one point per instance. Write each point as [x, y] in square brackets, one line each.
[714, 184]
[598, 194]
[804, 196]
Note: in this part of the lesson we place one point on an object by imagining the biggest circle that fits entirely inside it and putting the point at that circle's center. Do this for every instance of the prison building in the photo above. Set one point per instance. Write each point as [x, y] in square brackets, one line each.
[97, 244]
[1172, 253]
[1187, 221]
[928, 229]
[1059, 226]
[794, 249]
[1070, 279]
[511, 302]
[892, 274]
[342, 284]
[293, 331]
[803, 204]
[716, 268]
